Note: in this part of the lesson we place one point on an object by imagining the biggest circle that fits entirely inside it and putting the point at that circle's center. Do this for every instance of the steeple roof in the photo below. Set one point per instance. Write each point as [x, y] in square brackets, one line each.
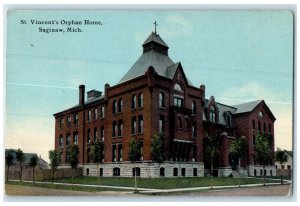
[155, 53]
[153, 37]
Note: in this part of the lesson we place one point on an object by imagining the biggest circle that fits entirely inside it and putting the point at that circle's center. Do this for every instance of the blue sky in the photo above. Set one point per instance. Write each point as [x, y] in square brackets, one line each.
[239, 56]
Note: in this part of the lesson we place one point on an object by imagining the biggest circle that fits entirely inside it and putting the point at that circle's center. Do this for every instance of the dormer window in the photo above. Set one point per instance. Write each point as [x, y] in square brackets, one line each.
[212, 114]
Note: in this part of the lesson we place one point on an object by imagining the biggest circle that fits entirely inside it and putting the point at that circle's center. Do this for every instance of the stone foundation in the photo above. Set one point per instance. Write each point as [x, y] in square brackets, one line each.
[147, 169]
[258, 170]
[224, 172]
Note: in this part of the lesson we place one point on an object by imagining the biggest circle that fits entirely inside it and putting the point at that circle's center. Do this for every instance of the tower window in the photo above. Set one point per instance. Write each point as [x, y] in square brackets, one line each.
[75, 138]
[89, 115]
[88, 136]
[133, 125]
[140, 124]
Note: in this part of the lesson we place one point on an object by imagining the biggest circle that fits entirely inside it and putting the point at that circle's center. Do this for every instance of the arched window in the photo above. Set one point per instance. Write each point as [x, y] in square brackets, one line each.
[212, 114]
[116, 171]
[259, 126]
[177, 87]
[136, 170]
[162, 172]
[179, 122]
[260, 114]
[140, 101]
[183, 172]
[175, 171]
[194, 107]
[264, 127]
[121, 105]
[161, 100]
[114, 106]
[194, 172]
[133, 102]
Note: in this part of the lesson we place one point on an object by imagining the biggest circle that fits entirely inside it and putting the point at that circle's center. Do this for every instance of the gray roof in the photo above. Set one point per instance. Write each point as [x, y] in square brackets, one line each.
[160, 62]
[156, 38]
[222, 109]
[246, 107]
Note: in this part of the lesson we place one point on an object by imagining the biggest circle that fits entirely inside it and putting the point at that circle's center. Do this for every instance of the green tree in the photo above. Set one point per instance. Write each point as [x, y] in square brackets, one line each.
[54, 157]
[262, 151]
[73, 152]
[96, 154]
[9, 161]
[282, 158]
[158, 148]
[135, 155]
[211, 151]
[238, 148]
[33, 163]
[20, 158]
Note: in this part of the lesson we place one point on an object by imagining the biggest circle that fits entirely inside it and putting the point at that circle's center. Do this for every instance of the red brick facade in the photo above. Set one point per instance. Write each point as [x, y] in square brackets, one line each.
[151, 104]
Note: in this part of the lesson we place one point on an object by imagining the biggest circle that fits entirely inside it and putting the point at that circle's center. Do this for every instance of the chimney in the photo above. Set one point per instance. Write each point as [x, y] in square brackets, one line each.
[106, 88]
[202, 89]
[81, 94]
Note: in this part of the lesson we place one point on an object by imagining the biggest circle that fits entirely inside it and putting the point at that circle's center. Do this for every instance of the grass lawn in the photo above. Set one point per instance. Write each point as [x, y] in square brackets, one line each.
[76, 188]
[163, 183]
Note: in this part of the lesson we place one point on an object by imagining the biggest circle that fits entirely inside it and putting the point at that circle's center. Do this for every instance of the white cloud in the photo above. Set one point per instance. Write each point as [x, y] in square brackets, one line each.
[282, 110]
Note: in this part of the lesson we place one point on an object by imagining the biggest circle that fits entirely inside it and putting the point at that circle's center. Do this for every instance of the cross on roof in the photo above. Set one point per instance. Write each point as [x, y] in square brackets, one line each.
[155, 24]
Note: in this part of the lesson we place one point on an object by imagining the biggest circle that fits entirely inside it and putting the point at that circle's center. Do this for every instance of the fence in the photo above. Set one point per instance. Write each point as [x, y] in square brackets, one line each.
[42, 174]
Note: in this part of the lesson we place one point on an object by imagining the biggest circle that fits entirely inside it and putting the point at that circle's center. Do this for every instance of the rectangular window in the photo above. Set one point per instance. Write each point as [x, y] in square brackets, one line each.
[212, 116]
[68, 121]
[120, 128]
[194, 130]
[95, 134]
[75, 118]
[142, 150]
[68, 139]
[102, 112]
[88, 136]
[61, 140]
[282, 166]
[140, 124]
[161, 124]
[114, 129]
[133, 125]
[120, 152]
[88, 151]
[178, 102]
[61, 123]
[89, 115]
[75, 140]
[114, 153]
[95, 114]
[102, 133]
[289, 167]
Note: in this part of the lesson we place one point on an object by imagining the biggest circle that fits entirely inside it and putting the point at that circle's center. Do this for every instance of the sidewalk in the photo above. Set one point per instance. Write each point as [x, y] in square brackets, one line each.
[152, 190]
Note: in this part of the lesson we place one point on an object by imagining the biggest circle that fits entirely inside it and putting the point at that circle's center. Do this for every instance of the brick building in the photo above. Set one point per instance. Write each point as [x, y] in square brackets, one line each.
[156, 97]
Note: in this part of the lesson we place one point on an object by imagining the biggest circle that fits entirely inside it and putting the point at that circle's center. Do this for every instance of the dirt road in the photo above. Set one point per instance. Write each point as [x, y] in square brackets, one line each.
[278, 190]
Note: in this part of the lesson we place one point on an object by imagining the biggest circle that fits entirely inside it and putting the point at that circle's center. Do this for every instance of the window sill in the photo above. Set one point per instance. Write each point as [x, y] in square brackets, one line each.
[163, 108]
[120, 136]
